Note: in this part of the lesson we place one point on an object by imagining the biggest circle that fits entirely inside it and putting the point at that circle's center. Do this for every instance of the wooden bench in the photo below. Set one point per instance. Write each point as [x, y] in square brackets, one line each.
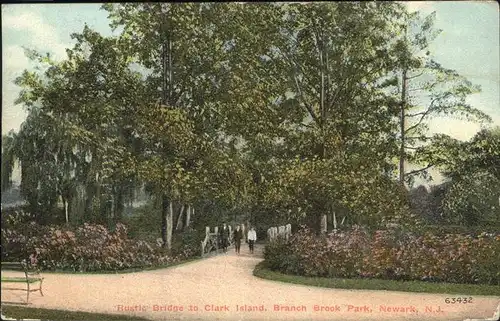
[31, 276]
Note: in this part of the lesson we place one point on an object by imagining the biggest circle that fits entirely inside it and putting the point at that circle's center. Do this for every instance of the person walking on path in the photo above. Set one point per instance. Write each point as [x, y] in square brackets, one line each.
[244, 232]
[252, 238]
[238, 235]
[224, 237]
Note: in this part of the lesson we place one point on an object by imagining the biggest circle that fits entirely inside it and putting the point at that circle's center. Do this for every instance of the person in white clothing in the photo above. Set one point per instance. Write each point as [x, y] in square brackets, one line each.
[252, 238]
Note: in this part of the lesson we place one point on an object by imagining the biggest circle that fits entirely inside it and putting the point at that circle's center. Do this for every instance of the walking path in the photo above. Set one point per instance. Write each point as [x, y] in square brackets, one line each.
[223, 288]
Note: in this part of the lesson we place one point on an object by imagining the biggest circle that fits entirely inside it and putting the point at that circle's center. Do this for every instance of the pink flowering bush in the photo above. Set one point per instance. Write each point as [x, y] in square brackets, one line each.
[17, 229]
[389, 254]
[334, 255]
[279, 257]
[86, 248]
[345, 252]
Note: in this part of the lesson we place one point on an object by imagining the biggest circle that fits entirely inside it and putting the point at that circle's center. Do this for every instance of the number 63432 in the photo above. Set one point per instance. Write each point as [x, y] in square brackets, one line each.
[458, 300]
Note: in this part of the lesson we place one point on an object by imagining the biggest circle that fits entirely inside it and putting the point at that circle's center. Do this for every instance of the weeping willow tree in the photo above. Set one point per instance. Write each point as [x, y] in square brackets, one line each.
[62, 165]
[71, 147]
[44, 161]
[51, 163]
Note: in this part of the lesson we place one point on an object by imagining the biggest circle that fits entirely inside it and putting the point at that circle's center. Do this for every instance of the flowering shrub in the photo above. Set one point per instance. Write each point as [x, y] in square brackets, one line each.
[88, 248]
[389, 254]
[187, 244]
[279, 256]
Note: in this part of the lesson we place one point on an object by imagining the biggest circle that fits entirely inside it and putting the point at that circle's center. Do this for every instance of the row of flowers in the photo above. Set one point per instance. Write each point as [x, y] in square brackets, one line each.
[86, 248]
[389, 254]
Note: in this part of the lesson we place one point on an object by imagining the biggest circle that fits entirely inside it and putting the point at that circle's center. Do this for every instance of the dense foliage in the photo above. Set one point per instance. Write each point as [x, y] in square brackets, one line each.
[390, 254]
[90, 247]
[469, 197]
[217, 116]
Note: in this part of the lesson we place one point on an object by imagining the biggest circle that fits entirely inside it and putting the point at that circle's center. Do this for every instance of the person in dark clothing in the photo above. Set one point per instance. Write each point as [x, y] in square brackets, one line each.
[224, 237]
[238, 235]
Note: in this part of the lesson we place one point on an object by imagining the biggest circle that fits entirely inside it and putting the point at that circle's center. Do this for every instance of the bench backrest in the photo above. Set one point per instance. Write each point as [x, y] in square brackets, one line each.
[14, 266]
[22, 267]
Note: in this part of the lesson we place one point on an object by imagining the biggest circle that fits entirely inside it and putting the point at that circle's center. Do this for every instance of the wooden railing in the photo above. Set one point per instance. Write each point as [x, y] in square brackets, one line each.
[284, 231]
[212, 240]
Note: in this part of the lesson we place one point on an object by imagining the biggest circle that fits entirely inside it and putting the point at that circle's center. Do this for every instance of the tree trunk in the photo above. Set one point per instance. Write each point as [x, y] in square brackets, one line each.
[164, 65]
[322, 98]
[402, 130]
[112, 213]
[188, 215]
[90, 194]
[164, 214]
[78, 203]
[403, 124]
[324, 225]
[66, 215]
[119, 204]
[169, 220]
[179, 225]
[170, 72]
[167, 62]
[110, 218]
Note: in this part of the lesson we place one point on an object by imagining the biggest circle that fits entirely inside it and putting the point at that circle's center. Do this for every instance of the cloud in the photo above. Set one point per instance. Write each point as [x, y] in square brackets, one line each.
[43, 35]
[40, 36]
[14, 62]
[455, 128]
[424, 6]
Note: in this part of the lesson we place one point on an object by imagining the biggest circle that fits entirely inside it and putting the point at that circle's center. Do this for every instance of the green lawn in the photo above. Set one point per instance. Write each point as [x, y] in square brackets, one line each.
[18, 312]
[378, 284]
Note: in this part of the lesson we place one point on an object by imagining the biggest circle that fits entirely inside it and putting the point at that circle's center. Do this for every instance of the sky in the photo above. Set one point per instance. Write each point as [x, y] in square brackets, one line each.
[469, 44]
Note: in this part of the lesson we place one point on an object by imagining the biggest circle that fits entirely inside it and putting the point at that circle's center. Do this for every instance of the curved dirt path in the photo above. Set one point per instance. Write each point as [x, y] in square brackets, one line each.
[218, 286]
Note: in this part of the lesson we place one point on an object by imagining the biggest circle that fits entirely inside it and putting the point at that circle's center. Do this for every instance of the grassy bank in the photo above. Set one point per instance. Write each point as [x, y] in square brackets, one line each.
[18, 312]
[377, 284]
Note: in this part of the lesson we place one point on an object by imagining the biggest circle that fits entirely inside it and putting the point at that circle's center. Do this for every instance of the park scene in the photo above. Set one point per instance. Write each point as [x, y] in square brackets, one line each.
[251, 161]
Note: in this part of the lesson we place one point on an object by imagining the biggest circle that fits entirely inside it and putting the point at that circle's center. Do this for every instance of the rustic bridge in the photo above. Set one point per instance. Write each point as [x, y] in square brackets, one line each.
[211, 243]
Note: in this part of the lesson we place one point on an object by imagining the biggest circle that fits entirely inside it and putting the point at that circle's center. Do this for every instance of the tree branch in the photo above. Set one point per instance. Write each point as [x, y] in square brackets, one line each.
[293, 64]
[416, 76]
[333, 97]
[419, 170]
[307, 125]
[416, 89]
[419, 137]
[423, 115]
[417, 114]
[308, 106]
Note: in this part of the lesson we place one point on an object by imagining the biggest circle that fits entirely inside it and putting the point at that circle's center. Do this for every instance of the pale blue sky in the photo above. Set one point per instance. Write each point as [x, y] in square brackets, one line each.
[469, 44]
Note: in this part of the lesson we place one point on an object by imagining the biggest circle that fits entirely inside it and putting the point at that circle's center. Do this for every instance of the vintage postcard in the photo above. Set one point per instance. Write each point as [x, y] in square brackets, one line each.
[251, 161]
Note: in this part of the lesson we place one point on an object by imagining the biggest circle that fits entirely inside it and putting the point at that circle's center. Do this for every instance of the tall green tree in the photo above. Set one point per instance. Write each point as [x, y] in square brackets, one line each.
[77, 124]
[185, 51]
[474, 196]
[472, 169]
[322, 65]
[426, 90]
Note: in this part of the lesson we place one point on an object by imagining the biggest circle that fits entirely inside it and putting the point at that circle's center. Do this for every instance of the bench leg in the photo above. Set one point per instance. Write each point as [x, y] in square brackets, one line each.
[41, 281]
